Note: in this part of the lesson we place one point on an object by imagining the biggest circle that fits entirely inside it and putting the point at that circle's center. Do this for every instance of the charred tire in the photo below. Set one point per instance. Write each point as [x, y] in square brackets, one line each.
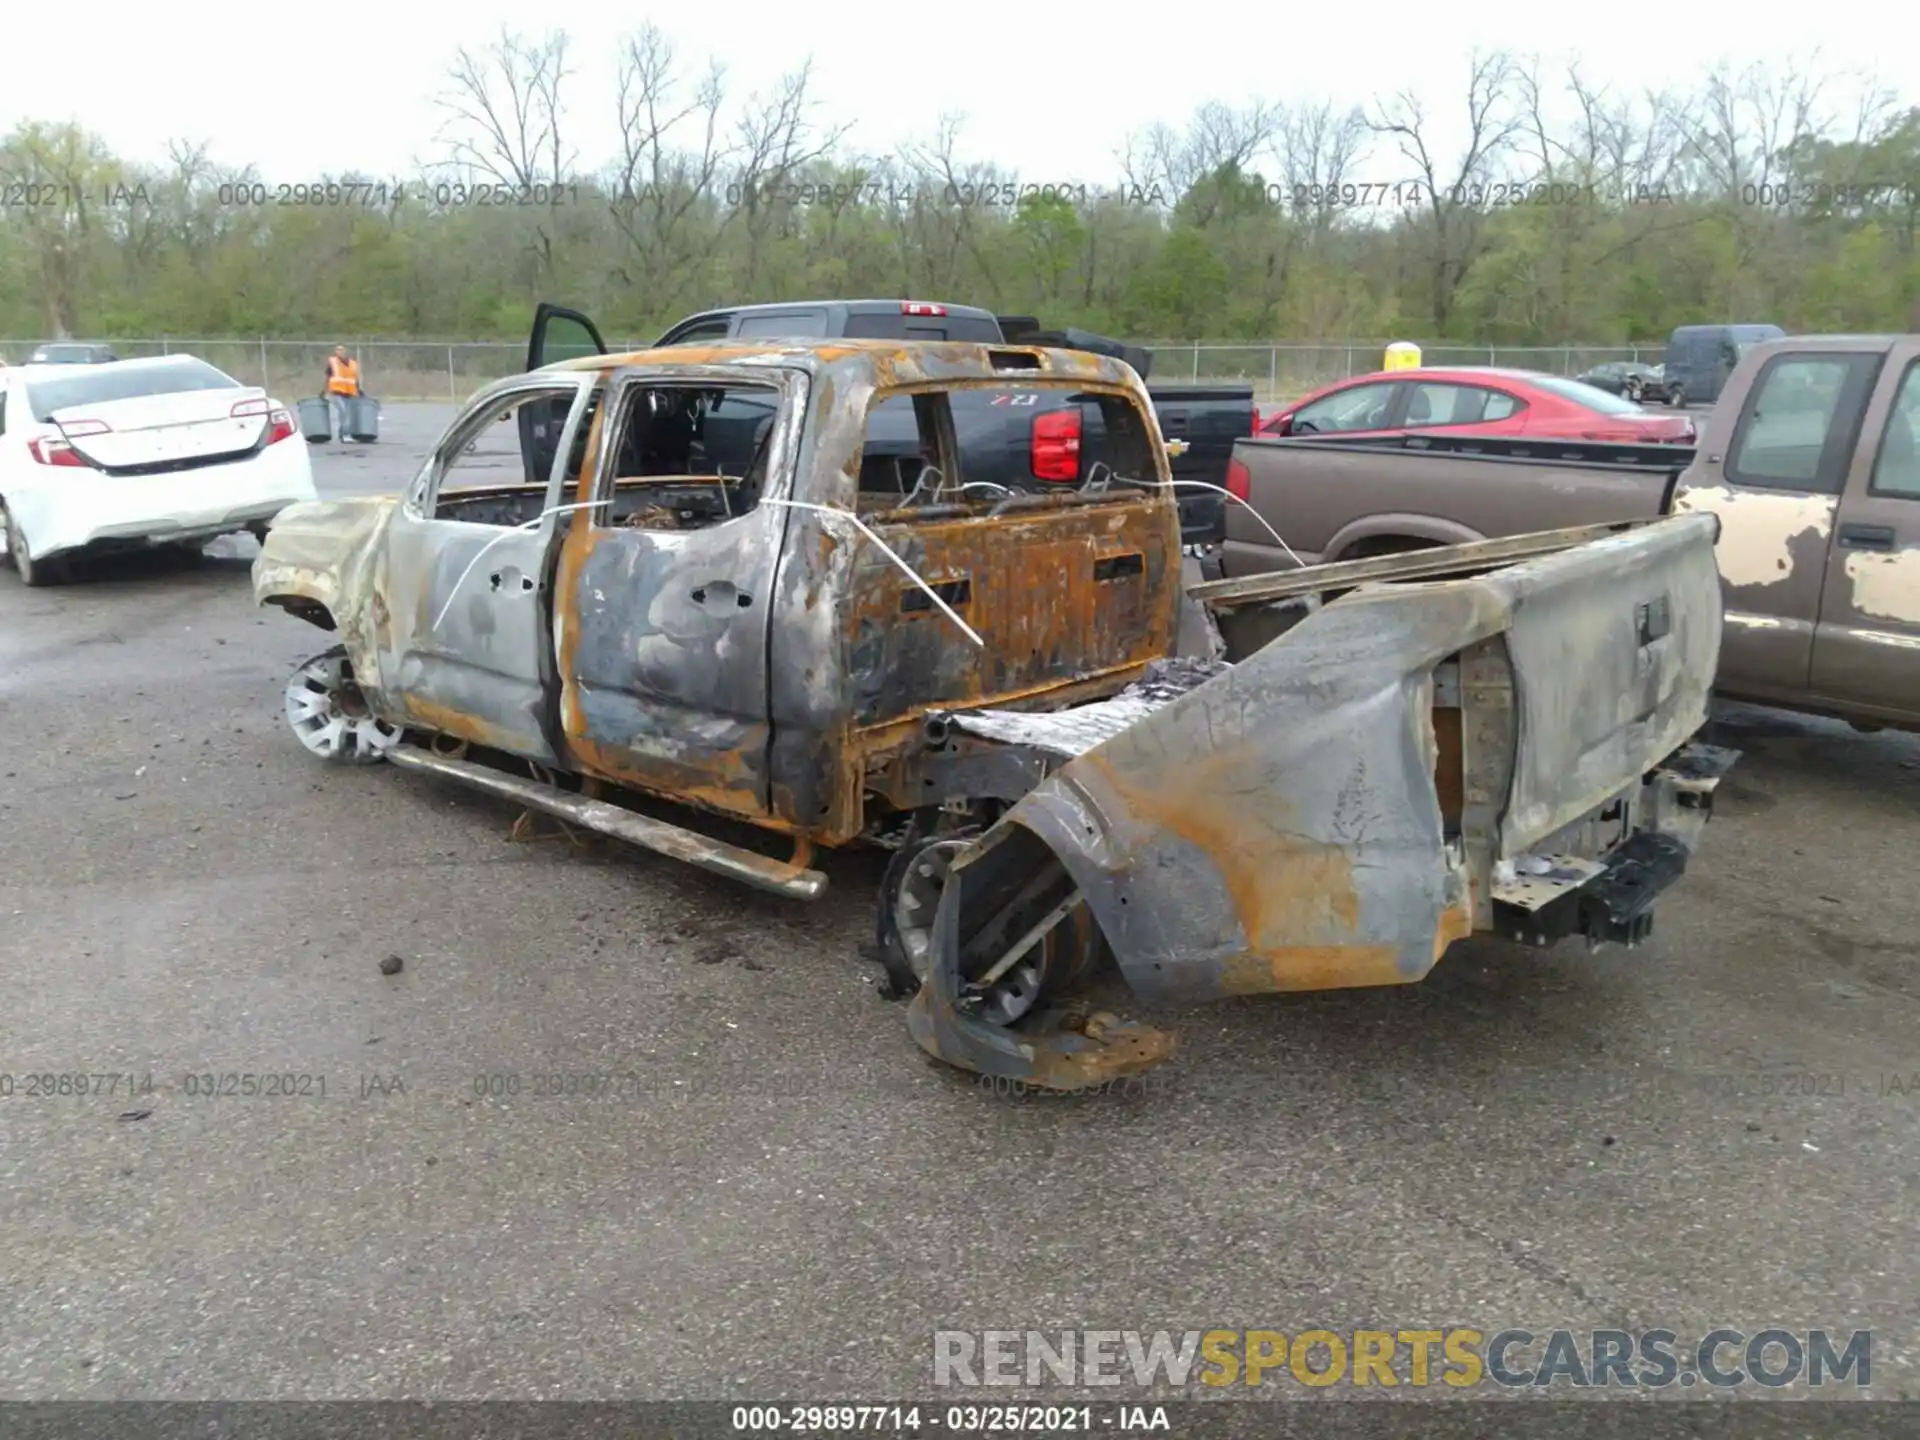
[329, 715]
[30, 571]
[909, 897]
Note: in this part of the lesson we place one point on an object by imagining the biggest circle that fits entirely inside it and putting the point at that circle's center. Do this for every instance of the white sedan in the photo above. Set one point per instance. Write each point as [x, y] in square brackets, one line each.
[134, 453]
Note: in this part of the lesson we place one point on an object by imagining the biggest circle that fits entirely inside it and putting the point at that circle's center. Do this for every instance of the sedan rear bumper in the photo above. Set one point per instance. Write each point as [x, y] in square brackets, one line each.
[73, 510]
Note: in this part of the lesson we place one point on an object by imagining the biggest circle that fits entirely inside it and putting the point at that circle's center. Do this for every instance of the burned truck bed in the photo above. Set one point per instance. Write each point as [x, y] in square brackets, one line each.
[1492, 739]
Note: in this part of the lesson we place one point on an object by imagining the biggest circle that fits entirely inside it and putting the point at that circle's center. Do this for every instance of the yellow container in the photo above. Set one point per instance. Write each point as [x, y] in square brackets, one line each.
[1402, 355]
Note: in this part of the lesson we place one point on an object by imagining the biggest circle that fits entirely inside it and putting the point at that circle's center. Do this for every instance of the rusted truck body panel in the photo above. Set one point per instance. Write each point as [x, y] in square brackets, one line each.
[1339, 807]
[1326, 782]
[1808, 460]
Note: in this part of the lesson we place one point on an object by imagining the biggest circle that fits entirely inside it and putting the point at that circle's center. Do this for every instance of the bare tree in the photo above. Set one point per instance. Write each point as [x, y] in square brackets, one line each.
[1319, 146]
[1168, 163]
[776, 141]
[1740, 157]
[505, 123]
[956, 197]
[660, 188]
[1748, 121]
[504, 110]
[1455, 196]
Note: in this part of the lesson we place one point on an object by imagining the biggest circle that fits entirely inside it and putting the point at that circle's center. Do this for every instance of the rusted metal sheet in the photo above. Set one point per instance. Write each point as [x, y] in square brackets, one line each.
[1057, 596]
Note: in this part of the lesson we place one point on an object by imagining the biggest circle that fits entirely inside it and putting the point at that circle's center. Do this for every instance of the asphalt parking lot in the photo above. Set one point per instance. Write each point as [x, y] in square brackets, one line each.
[1721, 1128]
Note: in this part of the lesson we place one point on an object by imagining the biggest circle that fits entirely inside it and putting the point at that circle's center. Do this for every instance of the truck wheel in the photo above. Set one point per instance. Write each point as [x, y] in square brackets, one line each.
[1677, 397]
[909, 898]
[329, 715]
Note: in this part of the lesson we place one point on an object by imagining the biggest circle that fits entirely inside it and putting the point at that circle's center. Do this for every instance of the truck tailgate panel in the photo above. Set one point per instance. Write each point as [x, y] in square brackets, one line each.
[1614, 646]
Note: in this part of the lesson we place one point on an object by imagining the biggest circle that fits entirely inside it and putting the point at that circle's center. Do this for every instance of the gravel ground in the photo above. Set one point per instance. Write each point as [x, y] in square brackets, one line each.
[788, 1198]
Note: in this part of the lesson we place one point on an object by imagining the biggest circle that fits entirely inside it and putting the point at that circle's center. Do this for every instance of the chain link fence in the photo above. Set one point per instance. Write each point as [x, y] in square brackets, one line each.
[397, 370]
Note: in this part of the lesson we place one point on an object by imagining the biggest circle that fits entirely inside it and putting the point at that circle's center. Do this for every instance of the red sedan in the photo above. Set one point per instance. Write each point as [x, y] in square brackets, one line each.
[1474, 401]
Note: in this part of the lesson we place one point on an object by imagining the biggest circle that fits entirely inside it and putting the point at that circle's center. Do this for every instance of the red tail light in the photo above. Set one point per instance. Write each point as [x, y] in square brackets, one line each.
[1056, 445]
[916, 307]
[56, 452]
[280, 424]
[51, 451]
[1239, 480]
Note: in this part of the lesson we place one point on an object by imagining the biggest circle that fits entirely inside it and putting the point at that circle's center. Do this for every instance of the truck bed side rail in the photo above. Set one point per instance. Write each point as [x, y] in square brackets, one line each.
[1434, 564]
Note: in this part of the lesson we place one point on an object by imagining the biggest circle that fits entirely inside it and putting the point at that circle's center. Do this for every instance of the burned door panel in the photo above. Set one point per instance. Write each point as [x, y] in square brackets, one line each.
[460, 603]
[665, 601]
[1866, 652]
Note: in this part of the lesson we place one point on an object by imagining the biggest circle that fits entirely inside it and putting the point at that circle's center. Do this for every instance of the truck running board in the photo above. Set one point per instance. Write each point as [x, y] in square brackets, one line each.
[783, 877]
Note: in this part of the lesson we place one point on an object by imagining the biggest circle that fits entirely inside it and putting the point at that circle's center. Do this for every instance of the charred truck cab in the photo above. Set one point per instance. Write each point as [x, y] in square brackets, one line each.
[677, 600]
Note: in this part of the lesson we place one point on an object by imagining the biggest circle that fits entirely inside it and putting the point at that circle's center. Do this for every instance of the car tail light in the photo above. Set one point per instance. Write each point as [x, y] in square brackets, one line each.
[280, 424]
[917, 307]
[57, 452]
[1239, 480]
[1056, 445]
[52, 451]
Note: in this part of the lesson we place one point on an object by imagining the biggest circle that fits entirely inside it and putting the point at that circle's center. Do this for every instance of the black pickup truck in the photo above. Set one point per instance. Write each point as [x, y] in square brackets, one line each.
[1022, 447]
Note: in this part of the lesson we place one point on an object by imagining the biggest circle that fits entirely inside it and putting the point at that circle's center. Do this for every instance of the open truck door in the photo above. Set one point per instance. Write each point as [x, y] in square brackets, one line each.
[558, 334]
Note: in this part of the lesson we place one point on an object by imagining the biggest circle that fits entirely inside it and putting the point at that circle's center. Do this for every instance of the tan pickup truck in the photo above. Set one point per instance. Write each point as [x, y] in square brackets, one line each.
[1809, 459]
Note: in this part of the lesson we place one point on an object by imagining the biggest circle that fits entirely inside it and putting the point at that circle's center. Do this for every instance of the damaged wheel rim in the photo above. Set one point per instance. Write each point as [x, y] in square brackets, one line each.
[330, 716]
[918, 899]
[1012, 994]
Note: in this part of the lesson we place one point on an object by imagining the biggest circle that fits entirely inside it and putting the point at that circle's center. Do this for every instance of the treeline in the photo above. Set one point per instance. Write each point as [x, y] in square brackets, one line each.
[1568, 212]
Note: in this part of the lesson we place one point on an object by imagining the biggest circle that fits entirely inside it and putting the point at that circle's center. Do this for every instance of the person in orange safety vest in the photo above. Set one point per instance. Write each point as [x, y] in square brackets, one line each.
[342, 384]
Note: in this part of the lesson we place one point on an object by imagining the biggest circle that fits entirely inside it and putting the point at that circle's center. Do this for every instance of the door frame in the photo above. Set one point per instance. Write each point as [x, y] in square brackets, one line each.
[1854, 649]
[433, 663]
[1767, 649]
[763, 529]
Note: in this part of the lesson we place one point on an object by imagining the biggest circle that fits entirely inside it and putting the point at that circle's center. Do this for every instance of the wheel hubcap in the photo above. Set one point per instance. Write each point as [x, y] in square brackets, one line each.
[330, 717]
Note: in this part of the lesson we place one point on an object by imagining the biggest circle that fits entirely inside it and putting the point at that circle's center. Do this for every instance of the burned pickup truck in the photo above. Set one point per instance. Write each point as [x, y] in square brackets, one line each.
[668, 597]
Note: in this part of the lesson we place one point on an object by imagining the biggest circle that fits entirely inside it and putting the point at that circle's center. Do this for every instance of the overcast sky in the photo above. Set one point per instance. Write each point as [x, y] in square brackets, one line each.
[1050, 91]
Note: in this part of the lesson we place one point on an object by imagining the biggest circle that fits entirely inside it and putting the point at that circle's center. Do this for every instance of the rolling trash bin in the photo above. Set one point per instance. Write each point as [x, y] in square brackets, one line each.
[363, 419]
[315, 424]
